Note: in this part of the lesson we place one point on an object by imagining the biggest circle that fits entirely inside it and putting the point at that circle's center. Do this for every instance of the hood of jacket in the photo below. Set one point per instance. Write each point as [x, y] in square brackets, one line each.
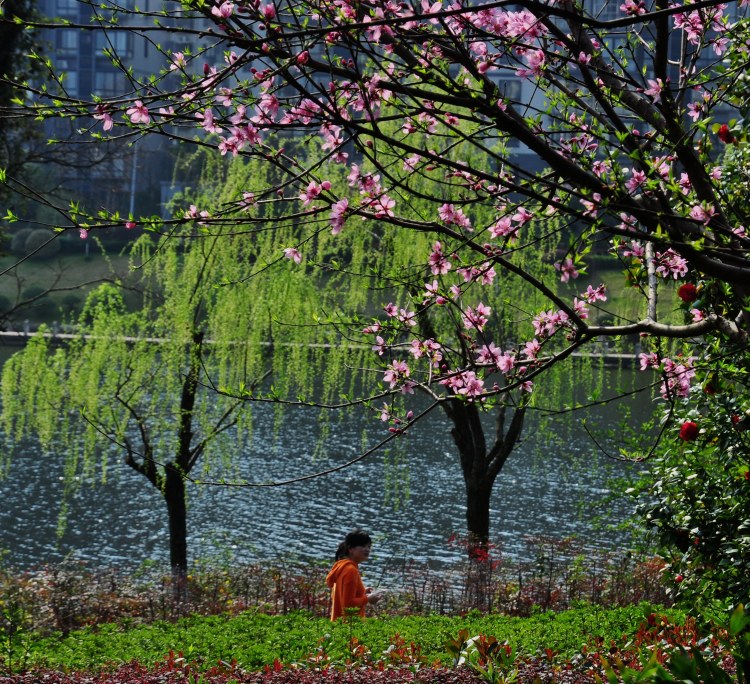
[337, 569]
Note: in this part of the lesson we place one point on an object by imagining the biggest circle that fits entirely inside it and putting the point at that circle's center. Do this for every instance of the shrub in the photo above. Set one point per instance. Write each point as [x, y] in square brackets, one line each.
[41, 244]
[18, 241]
[699, 486]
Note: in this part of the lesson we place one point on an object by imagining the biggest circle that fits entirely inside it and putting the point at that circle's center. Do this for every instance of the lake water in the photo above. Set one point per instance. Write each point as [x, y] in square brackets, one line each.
[411, 500]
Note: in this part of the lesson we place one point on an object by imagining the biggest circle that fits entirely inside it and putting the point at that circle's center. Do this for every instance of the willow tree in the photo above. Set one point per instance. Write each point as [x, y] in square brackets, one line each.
[144, 383]
[473, 129]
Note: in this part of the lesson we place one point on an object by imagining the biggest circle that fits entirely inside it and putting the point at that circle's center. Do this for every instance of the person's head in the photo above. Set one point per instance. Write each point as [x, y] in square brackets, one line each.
[356, 546]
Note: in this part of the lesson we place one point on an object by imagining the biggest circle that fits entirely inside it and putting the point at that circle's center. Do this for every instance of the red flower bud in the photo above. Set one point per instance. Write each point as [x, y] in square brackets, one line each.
[678, 578]
[688, 292]
[689, 431]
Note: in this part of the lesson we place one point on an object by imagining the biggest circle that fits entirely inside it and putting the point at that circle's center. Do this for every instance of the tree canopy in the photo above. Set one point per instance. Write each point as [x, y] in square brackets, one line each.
[590, 134]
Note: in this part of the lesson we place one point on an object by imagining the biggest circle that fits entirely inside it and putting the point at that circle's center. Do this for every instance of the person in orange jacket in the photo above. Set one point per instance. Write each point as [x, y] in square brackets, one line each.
[344, 580]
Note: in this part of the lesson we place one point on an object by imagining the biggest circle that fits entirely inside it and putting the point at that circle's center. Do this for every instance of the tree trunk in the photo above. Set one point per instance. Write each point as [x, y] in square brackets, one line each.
[174, 496]
[481, 467]
[478, 493]
[468, 436]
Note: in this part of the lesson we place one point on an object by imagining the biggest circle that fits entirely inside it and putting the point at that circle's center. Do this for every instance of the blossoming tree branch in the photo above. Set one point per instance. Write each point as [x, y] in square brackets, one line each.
[612, 143]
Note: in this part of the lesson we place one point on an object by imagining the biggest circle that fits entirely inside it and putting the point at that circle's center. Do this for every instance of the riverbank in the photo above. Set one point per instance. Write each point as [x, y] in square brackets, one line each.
[68, 596]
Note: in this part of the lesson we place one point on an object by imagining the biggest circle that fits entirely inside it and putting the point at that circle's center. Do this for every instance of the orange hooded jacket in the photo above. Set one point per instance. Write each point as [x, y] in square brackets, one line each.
[347, 590]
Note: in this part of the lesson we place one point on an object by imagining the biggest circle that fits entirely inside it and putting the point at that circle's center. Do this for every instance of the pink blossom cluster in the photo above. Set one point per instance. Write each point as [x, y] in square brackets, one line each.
[677, 375]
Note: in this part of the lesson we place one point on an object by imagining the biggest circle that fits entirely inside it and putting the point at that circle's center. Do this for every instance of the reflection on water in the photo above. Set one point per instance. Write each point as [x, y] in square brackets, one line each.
[549, 487]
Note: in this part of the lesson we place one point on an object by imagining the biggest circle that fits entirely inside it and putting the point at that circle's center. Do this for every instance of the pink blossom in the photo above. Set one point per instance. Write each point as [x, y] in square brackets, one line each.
[248, 200]
[702, 213]
[633, 8]
[383, 206]
[293, 254]
[407, 317]
[208, 121]
[338, 215]
[230, 144]
[130, 225]
[598, 294]
[396, 373]
[671, 264]
[103, 114]
[547, 323]
[450, 215]
[268, 12]
[428, 348]
[635, 249]
[312, 191]
[391, 310]
[650, 360]
[628, 222]
[432, 291]
[601, 168]
[83, 233]
[592, 205]
[654, 88]
[194, 213]
[504, 227]
[439, 265]
[697, 315]
[531, 349]
[506, 363]
[410, 163]
[535, 60]
[637, 179]
[678, 377]
[385, 413]
[489, 355]
[138, 113]
[223, 11]
[685, 183]
[472, 385]
[225, 97]
[567, 270]
[178, 61]
[522, 216]
[580, 307]
[694, 110]
[380, 346]
[476, 318]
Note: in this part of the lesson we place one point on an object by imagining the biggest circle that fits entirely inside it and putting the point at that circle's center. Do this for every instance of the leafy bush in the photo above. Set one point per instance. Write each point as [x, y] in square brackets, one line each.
[40, 244]
[700, 496]
[18, 241]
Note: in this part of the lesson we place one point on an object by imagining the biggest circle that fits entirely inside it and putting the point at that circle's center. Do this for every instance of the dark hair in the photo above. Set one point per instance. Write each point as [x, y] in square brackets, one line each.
[354, 538]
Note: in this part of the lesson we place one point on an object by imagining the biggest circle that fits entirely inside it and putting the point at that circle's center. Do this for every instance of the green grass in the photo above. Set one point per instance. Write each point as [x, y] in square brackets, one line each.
[254, 640]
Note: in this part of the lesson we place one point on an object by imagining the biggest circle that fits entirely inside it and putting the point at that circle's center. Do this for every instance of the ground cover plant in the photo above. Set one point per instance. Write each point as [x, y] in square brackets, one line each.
[228, 640]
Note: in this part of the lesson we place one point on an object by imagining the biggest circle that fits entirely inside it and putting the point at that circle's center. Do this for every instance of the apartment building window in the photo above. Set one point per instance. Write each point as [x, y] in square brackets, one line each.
[70, 83]
[66, 42]
[67, 8]
[107, 83]
[121, 42]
